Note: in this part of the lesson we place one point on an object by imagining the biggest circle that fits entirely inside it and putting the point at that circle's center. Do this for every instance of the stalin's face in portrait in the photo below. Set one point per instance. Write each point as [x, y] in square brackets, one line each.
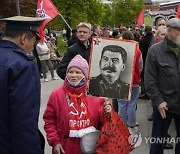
[112, 62]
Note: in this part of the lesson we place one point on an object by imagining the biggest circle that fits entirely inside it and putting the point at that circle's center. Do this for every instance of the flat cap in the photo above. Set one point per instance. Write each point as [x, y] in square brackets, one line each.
[23, 23]
[174, 23]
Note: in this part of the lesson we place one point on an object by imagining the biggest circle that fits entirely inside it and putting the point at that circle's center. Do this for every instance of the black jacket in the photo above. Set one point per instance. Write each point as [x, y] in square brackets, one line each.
[72, 41]
[162, 77]
[144, 45]
[100, 87]
[72, 51]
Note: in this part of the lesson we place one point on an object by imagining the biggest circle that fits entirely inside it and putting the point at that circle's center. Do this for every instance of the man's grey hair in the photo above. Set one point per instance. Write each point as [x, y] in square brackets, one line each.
[84, 24]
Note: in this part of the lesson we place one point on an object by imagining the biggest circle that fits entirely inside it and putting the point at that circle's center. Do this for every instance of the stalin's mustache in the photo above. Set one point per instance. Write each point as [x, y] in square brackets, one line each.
[112, 69]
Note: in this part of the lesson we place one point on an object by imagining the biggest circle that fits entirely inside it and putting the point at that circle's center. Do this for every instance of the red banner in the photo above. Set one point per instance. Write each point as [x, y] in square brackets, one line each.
[178, 12]
[47, 10]
[140, 19]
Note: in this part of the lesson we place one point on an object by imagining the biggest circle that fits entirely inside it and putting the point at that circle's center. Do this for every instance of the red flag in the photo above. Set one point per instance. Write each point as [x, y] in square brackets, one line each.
[178, 12]
[140, 19]
[47, 10]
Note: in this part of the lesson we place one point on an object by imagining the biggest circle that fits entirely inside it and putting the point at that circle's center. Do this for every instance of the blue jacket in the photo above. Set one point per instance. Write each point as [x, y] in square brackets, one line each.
[19, 102]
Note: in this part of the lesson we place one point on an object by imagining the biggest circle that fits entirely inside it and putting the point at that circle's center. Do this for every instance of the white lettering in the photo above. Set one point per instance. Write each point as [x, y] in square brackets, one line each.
[152, 140]
[79, 123]
[177, 140]
[172, 140]
[159, 140]
[162, 140]
[83, 112]
[147, 139]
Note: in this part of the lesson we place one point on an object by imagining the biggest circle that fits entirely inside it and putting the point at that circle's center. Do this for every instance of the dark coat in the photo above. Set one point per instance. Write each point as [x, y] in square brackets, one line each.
[72, 51]
[100, 87]
[144, 45]
[72, 41]
[19, 102]
[162, 77]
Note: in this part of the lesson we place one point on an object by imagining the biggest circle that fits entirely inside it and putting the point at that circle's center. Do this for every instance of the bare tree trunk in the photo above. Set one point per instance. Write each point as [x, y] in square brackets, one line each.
[68, 34]
[18, 8]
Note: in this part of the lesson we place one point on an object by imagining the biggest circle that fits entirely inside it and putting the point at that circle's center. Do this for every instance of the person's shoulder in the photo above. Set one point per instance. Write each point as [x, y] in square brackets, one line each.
[96, 77]
[58, 89]
[71, 51]
[125, 84]
[14, 55]
[159, 47]
[73, 48]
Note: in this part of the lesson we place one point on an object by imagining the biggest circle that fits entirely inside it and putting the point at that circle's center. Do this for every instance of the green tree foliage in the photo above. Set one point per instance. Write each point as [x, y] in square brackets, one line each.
[75, 11]
[108, 14]
[125, 11]
[78, 11]
[8, 8]
[95, 11]
[70, 11]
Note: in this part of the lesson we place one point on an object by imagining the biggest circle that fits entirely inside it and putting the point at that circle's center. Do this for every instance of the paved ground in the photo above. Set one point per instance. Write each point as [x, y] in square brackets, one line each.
[143, 111]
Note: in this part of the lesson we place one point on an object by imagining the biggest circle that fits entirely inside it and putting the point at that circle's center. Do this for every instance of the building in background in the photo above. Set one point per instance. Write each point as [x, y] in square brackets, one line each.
[155, 10]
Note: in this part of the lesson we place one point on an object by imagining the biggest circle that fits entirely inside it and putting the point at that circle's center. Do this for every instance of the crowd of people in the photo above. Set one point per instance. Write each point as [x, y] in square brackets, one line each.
[71, 112]
[47, 54]
[146, 37]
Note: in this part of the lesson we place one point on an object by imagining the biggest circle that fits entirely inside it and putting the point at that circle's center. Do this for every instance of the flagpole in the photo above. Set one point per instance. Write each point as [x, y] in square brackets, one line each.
[18, 8]
[65, 21]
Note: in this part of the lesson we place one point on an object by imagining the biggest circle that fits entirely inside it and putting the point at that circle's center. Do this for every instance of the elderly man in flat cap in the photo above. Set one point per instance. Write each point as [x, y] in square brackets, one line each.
[162, 83]
[19, 88]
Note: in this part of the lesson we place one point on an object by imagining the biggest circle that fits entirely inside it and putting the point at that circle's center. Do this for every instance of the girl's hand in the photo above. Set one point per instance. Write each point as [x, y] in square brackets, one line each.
[58, 149]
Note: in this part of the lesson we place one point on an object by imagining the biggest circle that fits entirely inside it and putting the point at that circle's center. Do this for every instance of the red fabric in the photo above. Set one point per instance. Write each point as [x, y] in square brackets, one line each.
[178, 12]
[156, 40]
[56, 118]
[140, 19]
[47, 10]
[80, 115]
[113, 137]
[137, 72]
